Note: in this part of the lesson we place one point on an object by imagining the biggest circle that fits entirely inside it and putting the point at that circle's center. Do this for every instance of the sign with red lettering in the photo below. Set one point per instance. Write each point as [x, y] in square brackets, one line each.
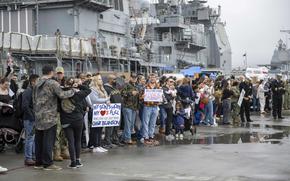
[106, 115]
[153, 95]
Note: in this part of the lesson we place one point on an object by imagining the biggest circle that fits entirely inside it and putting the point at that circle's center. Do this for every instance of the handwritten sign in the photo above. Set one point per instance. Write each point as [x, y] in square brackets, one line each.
[106, 115]
[153, 95]
[241, 97]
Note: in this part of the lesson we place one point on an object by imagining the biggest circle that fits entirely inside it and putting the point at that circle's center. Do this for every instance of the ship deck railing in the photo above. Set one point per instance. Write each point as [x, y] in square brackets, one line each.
[63, 46]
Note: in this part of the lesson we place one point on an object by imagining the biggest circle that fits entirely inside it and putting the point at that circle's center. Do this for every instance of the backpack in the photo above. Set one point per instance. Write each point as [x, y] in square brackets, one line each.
[68, 105]
[18, 106]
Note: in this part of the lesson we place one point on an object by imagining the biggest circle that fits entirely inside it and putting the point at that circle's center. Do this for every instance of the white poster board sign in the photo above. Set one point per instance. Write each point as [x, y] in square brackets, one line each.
[153, 95]
[241, 97]
[106, 115]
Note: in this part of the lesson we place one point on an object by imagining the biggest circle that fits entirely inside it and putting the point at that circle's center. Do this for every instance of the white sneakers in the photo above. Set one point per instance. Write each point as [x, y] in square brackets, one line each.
[214, 125]
[169, 137]
[99, 150]
[2, 169]
[181, 136]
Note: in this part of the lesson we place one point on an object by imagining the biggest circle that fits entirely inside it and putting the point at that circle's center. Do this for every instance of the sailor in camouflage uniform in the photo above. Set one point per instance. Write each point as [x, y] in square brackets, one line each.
[234, 103]
[60, 150]
[45, 100]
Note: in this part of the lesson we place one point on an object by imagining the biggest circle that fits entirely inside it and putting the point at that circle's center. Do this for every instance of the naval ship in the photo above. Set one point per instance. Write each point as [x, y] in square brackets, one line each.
[122, 36]
[280, 62]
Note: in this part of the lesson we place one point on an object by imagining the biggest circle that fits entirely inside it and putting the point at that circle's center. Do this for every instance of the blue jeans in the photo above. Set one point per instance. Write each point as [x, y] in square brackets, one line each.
[129, 121]
[209, 112]
[139, 130]
[149, 121]
[163, 116]
[256, 104]
[29, 149]
[141, 111]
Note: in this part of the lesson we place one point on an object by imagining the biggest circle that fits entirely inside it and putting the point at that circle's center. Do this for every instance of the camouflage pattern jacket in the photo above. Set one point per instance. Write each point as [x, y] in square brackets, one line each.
[130, 101]
[236, 94]
[45, 99]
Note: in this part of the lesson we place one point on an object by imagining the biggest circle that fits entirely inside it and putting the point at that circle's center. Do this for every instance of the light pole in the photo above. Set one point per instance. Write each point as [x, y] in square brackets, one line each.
[245, 60]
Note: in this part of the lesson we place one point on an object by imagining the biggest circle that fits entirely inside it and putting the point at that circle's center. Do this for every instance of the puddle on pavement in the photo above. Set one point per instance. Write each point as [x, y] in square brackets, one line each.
[256, 133]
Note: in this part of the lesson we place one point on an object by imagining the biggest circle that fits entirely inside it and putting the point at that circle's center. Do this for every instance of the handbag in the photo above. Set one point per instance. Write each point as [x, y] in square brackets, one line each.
[204, 100]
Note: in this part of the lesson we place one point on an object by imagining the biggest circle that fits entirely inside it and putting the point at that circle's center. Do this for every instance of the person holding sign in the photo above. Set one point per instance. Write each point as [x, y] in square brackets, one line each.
[245, 107]
[97, 96]
[130, 96]
[111, 133]
[152, 97]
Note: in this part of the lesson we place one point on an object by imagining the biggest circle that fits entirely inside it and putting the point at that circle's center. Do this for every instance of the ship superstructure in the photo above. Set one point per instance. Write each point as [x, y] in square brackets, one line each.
[113, 35]
[281, 58]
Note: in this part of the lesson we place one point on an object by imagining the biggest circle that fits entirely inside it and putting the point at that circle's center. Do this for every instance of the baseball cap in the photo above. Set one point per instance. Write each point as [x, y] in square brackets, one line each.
[59, 70]
[89, 74]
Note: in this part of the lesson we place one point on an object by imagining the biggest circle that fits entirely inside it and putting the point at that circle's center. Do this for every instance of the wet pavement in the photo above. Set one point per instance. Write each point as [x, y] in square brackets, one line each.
[251, 152]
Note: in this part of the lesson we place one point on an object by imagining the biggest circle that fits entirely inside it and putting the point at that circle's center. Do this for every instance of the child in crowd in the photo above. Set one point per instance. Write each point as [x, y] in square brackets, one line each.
[173, 92]
[198, 112]
[179, 118]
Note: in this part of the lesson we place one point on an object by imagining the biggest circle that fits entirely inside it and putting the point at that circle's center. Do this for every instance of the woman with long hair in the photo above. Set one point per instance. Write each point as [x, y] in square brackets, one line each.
[72, 118]
[209, 107]
[7, 114]
[97, 96]
[226, 102]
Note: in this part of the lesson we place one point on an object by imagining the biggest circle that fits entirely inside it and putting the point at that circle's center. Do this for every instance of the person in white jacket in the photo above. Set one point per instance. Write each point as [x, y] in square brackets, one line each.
[261, 96]
[97, 96]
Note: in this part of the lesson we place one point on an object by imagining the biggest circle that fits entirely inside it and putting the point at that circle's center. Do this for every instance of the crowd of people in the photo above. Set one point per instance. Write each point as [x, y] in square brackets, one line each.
[57, 112]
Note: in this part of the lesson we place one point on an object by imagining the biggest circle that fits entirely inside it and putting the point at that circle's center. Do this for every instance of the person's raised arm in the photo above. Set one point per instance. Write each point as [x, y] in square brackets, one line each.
[60, 93]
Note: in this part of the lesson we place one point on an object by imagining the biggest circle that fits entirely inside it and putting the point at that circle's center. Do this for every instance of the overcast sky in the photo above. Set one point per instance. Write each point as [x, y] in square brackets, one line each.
[253, 26]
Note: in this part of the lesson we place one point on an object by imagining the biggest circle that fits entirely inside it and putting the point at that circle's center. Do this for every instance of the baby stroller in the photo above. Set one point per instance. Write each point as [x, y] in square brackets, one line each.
[11, 130]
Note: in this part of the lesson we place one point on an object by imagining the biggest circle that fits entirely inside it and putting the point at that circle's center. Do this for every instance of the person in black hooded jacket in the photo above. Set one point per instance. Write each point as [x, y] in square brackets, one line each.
[71, 115]
[111, 133]
[169, 92]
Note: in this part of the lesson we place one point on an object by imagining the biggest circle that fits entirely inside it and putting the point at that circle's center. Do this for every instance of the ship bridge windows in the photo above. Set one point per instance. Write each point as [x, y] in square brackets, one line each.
[117, 4]
[165, 53]
[165, 50]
